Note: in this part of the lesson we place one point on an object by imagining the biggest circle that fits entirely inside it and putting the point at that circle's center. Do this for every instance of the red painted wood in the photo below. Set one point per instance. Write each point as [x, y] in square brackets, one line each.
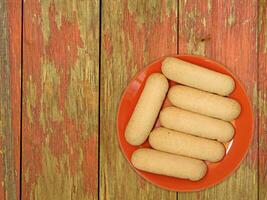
[14, 8]
[10, 98]
[262, 97]
[134, 34]
[226, 32]
[60, 99]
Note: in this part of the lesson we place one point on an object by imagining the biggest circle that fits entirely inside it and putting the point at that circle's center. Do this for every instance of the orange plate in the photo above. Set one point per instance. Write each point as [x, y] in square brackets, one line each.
[236, 149]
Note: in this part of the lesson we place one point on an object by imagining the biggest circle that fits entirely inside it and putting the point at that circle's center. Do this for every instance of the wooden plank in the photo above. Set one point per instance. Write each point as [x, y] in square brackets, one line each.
[262, 98]
[10, 98]
[134, 33]
[60, 99]
[226, 32]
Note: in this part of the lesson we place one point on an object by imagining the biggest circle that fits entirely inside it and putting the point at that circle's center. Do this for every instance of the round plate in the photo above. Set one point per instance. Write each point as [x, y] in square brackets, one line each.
[236, 149]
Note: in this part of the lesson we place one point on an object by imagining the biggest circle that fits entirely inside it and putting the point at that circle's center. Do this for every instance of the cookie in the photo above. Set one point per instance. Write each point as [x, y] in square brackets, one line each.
[170, 141]
[204, 103]
[196, 124]
[198, 77]
[158, 162]
[147, 109]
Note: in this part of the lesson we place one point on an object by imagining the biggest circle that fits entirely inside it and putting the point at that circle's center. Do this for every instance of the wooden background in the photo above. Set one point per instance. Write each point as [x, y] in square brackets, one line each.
[64, 65]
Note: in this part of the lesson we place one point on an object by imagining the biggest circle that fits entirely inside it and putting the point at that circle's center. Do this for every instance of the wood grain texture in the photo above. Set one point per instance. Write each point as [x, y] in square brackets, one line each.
[226, 32]
[60, 99]
[60, 90]
[262, 98]
[10, 98]
[134, 33]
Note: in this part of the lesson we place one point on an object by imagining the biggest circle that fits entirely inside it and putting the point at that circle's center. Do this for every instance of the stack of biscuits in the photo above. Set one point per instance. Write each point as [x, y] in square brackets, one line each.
[193, 129]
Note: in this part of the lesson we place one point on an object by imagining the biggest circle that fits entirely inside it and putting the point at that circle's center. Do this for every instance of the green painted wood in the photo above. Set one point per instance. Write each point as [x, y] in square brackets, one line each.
[10, 65]
[134, 33]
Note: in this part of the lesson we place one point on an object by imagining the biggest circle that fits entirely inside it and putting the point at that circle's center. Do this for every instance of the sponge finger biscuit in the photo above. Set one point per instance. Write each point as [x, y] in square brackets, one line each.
[196, 124]
[197, 77]
[204, 103]
[158, 162]
[186, 145]
[146, 109]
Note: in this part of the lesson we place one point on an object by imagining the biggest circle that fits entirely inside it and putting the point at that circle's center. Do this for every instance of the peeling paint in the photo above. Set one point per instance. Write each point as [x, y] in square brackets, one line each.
[62, 9]
[45, 20]
[169, 7]
[255, 95]
[265, 35]
[209, 6]
[137, 44]
[140, 14]
[33, 53]
[133, 46]
[66, 9]
[130, 54]
[67, 35]
[195, 45]
[262, 142]
[31, 100]
[7, 136]
[261, 9]
[86, 25]
[174, 29]
[87, 161]
[68, 110]
[107, 44]
[140, 19]
[231, 18]
[80, 104]
[204, 22]
[26, 175]
[55, 173]
[50, 111]
[181, 8]
[262, 18]
[262, 103]
[58, 20]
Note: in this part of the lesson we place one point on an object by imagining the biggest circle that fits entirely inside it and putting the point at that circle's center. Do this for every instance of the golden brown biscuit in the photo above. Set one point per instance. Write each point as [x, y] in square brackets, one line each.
[146, 109]
[196, 124]
[158, 162]
[170, 141]
[198, 77]
[204, 103]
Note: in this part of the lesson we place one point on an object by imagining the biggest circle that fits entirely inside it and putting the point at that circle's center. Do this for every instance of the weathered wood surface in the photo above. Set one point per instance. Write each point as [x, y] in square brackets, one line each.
[134, 33]
[262, 98]
[10, 96]
[60, 99]
[63, 103]
[226, 32]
